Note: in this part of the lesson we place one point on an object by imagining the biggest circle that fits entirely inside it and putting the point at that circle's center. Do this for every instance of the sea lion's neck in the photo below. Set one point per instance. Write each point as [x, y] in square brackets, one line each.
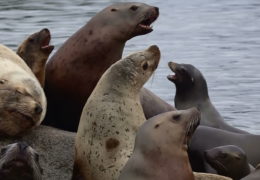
[173, 165]
[189, 97]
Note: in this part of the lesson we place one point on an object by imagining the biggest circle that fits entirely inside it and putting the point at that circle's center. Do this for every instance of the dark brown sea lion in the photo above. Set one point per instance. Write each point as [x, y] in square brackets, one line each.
[192, 90]
[74, 70]
[35, 51]
[160, 151]
[111, 117]
[19, 161]
[206, 138]
[22, 100]
[229, 160]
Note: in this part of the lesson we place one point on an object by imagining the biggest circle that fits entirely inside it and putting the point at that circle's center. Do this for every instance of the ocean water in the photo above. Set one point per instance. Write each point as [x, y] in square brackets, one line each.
[220, 37]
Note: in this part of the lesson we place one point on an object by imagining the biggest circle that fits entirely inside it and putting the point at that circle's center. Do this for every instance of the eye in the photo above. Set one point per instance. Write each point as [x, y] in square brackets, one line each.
[113, 9]
[134, 8]
[223, 155]
[31, 40]
[145, 66]
[156, 126]
[2, 81]
[176, 117]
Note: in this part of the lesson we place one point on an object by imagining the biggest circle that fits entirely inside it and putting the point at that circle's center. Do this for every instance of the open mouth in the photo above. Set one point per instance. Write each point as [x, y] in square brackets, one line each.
[172, 77]
[145, 25]
[45, 44]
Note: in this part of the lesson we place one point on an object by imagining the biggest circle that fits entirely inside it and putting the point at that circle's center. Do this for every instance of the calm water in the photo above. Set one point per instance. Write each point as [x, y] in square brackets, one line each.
[220, 37]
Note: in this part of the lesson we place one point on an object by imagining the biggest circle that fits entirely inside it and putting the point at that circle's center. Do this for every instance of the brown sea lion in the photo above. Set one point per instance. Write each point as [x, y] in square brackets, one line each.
[35, 51]
[19, 161]
[206, 138]
[111, 117]
[74, 70]
[160, 151]
[192, 90]
[22, 100]
[229, 160]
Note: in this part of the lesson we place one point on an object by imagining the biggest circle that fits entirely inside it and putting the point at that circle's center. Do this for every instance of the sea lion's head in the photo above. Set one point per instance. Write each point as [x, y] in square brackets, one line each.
[36, 47]
[21, 104]
[228, 160]
[168, 132]
[19, 161]
[130, 19]
[135, 69]
[191, 86]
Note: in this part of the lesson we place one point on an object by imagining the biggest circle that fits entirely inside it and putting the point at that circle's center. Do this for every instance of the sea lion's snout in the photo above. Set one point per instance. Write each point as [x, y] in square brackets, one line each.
[38, 109]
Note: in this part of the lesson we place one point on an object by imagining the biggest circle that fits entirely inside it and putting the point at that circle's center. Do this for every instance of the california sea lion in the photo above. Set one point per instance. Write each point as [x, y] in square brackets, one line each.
[111, 117]
[255, 175]
[74, 70]
[55, 147]
[206, 138]
[35, 51]
[19, 161]
[229, 160]
[22, 100]
[192, 90]
[160, 151]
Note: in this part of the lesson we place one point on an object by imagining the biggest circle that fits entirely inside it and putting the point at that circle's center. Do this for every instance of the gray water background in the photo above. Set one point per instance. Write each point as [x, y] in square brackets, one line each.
[219, 37]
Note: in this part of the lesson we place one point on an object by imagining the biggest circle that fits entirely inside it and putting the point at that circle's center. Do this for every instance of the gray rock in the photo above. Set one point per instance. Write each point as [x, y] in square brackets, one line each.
[55, 147]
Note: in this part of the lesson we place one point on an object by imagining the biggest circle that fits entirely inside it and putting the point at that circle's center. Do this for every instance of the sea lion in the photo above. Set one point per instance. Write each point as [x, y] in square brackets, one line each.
[160, 151]
[152, 104]
[229, 160]
[208, 176]
[35, 51]
[218, 137]
[55, 147]
[111, 117]
[255, 175]
[22, 100]
[74, 70]
[192, 90]
[19, 161]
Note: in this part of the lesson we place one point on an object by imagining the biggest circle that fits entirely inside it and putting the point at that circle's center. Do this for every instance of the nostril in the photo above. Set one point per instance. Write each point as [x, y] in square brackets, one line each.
[22, 146]
[38, 109]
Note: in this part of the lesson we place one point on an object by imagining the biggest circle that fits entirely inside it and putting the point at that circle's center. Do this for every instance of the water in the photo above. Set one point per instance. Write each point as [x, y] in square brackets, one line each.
[220, 37]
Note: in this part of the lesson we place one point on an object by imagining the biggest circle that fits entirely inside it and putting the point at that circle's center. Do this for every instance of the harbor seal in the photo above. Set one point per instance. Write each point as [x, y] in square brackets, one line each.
[22, 100]
[74, 70]
[35, 51]
[19, 161]
[160, 150]
[229, 160]
[111, 117]
[192, 90]
[218, 137]
[255, 175]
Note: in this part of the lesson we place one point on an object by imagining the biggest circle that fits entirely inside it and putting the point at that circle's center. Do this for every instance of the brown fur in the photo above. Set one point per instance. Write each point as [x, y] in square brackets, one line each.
[35, 51]
[74, 70]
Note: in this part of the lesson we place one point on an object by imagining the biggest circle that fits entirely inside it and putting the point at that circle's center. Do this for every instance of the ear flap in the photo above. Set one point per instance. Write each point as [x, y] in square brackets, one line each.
[192, 80]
